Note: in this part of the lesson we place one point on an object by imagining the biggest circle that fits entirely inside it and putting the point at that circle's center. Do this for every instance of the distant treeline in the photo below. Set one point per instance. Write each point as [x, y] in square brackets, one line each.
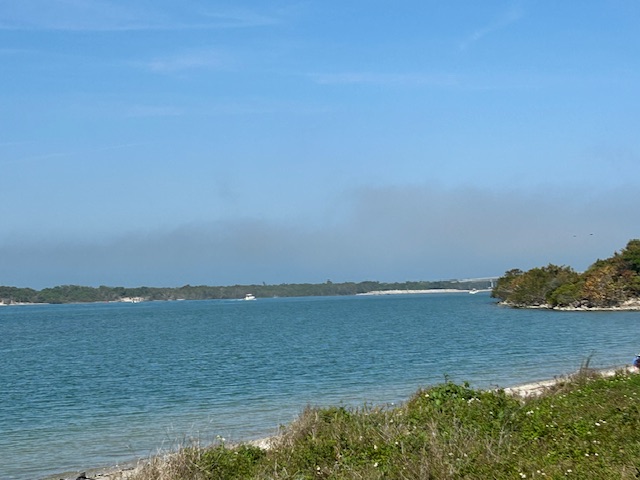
[80, 294]
[608, 283]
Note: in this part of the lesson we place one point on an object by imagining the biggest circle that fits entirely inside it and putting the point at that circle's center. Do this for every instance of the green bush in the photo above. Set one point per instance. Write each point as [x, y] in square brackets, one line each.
[222, 463]
[567, 295]
[585, 428]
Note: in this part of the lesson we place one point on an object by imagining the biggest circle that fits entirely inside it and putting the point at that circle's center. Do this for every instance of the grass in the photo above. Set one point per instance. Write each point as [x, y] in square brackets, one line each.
[586, 427]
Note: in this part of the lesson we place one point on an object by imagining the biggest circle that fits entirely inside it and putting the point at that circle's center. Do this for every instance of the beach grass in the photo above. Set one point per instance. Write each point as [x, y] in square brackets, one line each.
[585, 426]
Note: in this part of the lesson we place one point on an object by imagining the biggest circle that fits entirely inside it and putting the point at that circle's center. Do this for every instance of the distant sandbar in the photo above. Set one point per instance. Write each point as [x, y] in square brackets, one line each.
[431, 290]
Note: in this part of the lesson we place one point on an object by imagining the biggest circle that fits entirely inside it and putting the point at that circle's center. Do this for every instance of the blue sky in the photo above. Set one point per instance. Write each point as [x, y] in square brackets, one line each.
[163, 143]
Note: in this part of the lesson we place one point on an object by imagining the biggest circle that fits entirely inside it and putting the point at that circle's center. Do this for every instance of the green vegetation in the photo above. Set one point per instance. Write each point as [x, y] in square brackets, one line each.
[607, 283]
[587, 427]
[79, 294]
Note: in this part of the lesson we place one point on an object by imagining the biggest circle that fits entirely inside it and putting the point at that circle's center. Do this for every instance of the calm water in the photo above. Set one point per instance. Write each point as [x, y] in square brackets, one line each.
[83, 386]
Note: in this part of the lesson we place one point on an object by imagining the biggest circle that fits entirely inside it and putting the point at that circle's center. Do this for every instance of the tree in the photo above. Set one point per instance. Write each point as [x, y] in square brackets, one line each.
[567, 295]
[536, 286]
[603, 286]
[506, 284]
[631, 255]
[606, 283]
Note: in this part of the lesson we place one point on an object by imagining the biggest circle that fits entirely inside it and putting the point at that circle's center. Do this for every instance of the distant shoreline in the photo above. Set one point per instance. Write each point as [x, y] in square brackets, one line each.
[64, 294]
[134, 300]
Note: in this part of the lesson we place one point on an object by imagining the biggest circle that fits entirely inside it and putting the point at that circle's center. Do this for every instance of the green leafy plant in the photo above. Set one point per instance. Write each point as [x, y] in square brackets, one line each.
[585, 427]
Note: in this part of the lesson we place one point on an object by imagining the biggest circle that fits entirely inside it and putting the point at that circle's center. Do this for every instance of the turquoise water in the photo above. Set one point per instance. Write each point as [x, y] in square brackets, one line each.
[83, 386]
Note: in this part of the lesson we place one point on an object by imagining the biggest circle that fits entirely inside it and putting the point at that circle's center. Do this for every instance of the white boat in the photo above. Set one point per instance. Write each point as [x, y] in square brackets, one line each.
[473, 291]
[249, 296]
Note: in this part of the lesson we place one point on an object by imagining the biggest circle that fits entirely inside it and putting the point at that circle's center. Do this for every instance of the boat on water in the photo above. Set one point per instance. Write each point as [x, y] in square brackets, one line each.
[249, 296]
[473, 291]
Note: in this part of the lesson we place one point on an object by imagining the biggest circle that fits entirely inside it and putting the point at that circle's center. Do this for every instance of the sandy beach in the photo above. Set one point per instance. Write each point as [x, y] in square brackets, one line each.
[414, 292]
[533, 389]
[530, 389]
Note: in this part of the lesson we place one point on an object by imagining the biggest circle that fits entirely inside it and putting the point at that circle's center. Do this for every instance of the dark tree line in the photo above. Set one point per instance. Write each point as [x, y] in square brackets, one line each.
[83, 294]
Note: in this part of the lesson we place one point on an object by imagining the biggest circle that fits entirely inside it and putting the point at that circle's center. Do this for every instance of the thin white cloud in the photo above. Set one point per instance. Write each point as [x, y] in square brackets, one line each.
[51, 155]
[372, 78]
[497, 79]
[34, 158]
[514, 14]
[194, 60]
[75, 15]
[240, 18]
[154, 111]
[111, 15]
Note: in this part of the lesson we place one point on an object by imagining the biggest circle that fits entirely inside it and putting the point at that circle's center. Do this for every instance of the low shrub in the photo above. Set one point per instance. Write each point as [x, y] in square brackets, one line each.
[588, 427]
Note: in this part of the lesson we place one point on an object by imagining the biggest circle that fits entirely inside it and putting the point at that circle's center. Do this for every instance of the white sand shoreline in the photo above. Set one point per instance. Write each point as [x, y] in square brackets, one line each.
[533, 389]
[525, 390]
[414, 292]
